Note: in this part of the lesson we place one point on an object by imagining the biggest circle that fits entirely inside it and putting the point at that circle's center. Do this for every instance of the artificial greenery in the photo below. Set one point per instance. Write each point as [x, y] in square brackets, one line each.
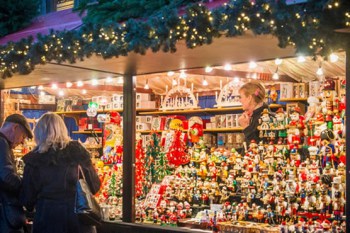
[15, 15]
[107, 11]
[309, 27]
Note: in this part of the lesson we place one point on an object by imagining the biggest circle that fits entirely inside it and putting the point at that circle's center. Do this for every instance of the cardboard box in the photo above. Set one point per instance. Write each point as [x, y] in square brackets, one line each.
[142, 119]
[300, 90]
[229, 120]
[143, 126]
[286, 90]
[148, 104]
[109, 106]
[94, 99]
[314, 88]
[47, 99]
[142, 97]
[117, 98]
[223, 121]
[208, 125]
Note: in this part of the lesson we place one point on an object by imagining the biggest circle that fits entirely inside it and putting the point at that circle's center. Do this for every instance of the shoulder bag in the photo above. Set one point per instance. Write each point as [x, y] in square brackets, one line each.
[86, 206]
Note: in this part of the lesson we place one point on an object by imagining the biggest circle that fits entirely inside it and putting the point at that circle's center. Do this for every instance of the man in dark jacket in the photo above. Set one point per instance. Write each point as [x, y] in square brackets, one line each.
[12, 133]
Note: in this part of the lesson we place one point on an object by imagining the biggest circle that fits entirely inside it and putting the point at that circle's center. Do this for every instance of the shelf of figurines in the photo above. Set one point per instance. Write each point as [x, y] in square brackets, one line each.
[293, 100]
[290, 178]
[87, 132]
[78, 112]
[217, 130]
[201, 110]
[166, 112]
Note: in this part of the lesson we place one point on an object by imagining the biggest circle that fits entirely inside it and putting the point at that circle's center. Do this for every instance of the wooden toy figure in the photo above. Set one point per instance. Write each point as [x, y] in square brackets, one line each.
[326, 152]
[295, 127]
[281, 123]
[269, 215]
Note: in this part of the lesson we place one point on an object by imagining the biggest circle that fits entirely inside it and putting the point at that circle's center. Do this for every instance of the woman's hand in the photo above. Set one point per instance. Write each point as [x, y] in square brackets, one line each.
[244, 120]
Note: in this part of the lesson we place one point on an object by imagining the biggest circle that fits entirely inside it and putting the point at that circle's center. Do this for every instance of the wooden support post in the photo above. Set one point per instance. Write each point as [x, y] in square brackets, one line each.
[129, 131]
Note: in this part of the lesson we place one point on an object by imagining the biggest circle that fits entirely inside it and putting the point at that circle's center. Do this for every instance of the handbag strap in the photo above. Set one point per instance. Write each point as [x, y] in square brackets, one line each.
[80, 171]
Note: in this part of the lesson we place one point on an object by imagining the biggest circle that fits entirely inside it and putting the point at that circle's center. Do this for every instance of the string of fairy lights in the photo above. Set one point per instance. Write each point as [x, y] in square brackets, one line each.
[305, 26]
[176, 77]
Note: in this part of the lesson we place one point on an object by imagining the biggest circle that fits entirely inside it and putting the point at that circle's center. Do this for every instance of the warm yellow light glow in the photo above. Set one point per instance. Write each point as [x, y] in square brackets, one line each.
[333, 58]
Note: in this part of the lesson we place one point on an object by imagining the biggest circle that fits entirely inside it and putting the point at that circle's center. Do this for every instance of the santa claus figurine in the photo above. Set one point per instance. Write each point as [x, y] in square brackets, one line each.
[337, 126]
[295, 127]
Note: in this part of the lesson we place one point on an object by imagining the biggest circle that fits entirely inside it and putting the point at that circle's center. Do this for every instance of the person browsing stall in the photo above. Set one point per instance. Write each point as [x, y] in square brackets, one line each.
[252, 98]
[50, 177]
[13, 132]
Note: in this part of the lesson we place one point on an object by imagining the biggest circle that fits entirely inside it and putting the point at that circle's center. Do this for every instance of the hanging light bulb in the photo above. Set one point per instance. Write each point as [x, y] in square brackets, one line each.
[252, 65]
[94, 82]
[146, 85]
[120, 80]
[275, 75]
[84, 91]
[333, 57]
[278, 61]
[205, 82]
[174, 82]
[69, 84]
[319, 71]
[80, 84]
[301, 59]
[227, 67]
[171, 73]
[61, 93]
[183, 74]
[109, 79]
[208, 69]
[54, 86]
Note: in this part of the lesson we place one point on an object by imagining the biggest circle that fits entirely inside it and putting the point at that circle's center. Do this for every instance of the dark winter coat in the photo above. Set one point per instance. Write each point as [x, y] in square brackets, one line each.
[49, 184]
[10, 183]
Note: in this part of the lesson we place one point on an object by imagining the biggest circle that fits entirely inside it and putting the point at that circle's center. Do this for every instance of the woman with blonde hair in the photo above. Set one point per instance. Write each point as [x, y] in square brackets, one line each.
[252, 99]
[50, 177]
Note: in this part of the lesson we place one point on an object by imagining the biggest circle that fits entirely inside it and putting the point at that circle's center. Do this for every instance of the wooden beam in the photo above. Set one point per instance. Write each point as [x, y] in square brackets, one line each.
[241, 74]
[101, 88]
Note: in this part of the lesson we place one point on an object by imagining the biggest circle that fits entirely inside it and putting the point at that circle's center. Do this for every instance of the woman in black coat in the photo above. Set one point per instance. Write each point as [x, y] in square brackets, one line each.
[252, 98]
[50, 176]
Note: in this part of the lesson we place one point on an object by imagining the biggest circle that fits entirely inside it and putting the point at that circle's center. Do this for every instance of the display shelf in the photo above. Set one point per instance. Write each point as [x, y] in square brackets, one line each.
[216, 130]
[293, 99]
[50, 107]
[88, 132]
[101, 111]
[202, 110]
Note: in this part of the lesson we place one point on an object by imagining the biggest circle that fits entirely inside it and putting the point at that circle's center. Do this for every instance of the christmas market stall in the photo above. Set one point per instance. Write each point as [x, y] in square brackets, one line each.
[156, 101]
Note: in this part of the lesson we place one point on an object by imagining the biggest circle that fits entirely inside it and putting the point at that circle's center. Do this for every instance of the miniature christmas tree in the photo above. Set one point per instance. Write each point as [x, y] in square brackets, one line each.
[112, 189]
[140, 168]
[152, 152]
[162, 167]
[177, 151]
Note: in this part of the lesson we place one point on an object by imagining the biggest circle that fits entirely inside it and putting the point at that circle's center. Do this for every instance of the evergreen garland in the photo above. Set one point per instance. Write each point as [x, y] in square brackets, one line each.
[309, 27]
[107, 11]
[15, 15]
